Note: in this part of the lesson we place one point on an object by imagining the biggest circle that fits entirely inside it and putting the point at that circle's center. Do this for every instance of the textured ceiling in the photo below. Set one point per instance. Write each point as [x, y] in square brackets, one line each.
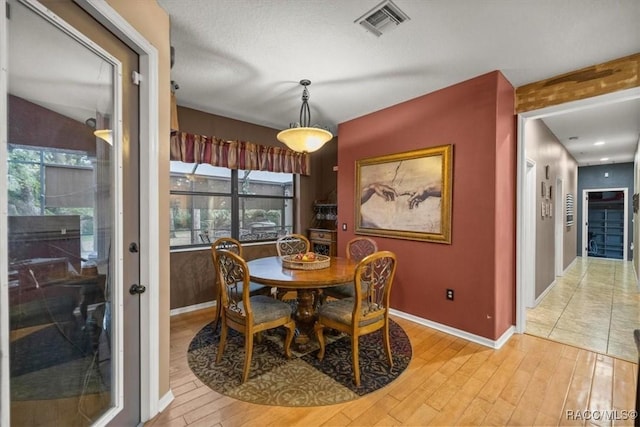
[244, 58]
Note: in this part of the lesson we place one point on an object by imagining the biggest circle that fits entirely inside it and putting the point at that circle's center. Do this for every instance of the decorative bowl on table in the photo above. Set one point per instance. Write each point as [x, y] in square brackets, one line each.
[306, 261]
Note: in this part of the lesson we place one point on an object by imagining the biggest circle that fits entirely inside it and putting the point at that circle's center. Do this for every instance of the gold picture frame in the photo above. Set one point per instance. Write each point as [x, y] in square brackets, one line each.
[406, 195]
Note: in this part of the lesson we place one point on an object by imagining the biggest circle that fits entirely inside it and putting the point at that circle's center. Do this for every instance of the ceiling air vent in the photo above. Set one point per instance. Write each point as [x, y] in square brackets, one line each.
[382, 18]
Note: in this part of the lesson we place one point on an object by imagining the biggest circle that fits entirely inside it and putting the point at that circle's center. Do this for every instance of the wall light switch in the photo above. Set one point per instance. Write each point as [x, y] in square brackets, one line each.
[344, 226]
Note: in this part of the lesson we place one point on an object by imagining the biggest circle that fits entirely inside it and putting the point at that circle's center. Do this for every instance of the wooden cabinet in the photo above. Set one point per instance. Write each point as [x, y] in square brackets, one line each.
[322, 234]
[323, 241]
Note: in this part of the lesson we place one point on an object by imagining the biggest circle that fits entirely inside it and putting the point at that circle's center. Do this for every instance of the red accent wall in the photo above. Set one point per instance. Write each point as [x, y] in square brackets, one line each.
[476, 116]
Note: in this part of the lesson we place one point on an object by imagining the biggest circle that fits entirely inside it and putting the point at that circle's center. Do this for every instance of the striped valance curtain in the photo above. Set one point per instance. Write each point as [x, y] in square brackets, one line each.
[243, 155]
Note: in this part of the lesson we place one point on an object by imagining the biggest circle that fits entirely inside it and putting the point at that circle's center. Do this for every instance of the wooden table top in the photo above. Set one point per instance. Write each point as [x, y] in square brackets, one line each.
[269, 271]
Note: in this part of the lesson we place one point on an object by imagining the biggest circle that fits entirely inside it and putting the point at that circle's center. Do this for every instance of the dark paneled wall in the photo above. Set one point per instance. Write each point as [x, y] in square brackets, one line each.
[31, 124]
[192, 274]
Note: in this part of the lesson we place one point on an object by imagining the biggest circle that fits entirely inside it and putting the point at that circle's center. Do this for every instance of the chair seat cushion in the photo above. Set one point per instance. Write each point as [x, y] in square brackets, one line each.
[254, 289]
[341, 311]
[257, 288]
[341, 291]
[267, 308]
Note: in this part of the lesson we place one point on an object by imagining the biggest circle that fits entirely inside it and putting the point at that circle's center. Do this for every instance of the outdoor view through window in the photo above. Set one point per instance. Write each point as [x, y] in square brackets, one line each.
[209, 202]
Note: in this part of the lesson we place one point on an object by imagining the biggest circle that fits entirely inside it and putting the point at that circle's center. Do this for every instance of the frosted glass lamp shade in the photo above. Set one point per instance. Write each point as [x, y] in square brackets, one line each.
[105, 135]
[304, 139]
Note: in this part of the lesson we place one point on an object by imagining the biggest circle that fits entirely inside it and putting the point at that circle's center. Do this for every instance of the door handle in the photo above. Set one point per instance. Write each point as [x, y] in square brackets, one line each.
[136, 289]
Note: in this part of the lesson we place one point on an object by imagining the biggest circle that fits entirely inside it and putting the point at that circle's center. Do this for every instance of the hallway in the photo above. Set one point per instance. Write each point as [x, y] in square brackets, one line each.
[595, 305]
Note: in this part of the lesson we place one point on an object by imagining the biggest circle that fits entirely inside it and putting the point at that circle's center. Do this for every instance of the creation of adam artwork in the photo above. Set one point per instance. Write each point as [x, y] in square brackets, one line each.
[406, 195]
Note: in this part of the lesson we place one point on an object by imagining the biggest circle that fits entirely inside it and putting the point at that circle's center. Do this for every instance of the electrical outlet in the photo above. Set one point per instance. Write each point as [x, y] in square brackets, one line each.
[450, 294]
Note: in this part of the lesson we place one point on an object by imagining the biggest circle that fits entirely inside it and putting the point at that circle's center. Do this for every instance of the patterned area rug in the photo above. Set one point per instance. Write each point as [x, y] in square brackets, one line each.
[303, 380]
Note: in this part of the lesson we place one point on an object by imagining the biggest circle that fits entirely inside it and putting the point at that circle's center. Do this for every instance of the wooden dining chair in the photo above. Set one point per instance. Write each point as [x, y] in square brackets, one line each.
[357, 249]
[291, 244]
[247, 314]
[235, 246]
[365, 313]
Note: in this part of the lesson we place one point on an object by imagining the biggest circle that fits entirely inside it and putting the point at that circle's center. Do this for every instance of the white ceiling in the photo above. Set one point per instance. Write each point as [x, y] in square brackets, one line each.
[244, 58]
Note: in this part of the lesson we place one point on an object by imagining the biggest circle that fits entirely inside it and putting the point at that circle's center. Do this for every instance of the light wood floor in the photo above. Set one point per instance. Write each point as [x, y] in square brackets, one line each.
[450, 381]
[594, 305]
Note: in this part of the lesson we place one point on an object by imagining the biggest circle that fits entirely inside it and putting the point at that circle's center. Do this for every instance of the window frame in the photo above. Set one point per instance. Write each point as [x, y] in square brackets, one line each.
[235, 196]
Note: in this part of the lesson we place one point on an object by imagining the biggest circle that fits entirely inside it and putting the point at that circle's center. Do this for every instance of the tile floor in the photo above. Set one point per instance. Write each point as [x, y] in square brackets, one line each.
[595, 305]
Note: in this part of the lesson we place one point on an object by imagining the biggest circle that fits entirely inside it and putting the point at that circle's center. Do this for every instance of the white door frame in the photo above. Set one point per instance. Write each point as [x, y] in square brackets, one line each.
[149, 196]
[5, 397]
[585, 222]
[585, 218]
[521, 155]
[149, 200]
[529, 235]
[559, 227]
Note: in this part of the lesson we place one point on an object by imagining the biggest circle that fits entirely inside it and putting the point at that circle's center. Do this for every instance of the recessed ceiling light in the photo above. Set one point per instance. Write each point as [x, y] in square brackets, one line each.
[599, 143]
[604, 159]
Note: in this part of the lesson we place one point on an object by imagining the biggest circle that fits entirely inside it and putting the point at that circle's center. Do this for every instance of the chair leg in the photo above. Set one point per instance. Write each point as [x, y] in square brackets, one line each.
[218, 312]
[291, 329]
[387, 343]
[355, 352]
[322, 298]
[319, 330]
[223, 339]
[248, 352]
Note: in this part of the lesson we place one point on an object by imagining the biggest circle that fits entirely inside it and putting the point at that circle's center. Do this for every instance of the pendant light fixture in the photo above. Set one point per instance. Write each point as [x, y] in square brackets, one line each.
[105, 135]
[301, 136]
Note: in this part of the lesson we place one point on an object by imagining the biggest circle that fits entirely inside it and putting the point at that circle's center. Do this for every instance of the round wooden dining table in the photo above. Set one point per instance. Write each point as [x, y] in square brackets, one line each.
[270, 271]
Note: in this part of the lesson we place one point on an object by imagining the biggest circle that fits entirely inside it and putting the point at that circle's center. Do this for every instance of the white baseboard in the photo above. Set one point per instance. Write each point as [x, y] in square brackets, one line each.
[552, 284]
[190, 308]
[165, 401]
[570, 265]
[495, 344]
[544, 294]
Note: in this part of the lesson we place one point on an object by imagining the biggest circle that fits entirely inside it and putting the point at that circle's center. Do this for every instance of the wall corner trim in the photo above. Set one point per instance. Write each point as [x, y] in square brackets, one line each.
[494, 344]
[165, 400]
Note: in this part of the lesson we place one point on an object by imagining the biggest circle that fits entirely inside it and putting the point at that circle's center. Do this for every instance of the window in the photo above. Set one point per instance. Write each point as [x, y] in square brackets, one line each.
[53, 182]
[208, 202]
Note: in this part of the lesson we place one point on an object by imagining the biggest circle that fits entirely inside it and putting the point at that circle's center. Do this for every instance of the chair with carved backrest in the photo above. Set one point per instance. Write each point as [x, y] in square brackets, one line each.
[357, 249]
[235, 246]
[244, 313]
[365, 313]
[291, 244]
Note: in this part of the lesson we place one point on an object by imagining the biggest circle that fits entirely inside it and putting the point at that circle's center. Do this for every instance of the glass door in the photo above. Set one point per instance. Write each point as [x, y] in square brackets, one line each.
[71, 144]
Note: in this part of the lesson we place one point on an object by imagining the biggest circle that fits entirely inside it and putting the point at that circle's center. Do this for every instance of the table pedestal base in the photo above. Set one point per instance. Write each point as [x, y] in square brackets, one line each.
[305, 319]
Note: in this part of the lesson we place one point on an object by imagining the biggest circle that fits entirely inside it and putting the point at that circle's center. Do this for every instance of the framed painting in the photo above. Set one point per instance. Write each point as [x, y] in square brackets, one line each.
[406, 195]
